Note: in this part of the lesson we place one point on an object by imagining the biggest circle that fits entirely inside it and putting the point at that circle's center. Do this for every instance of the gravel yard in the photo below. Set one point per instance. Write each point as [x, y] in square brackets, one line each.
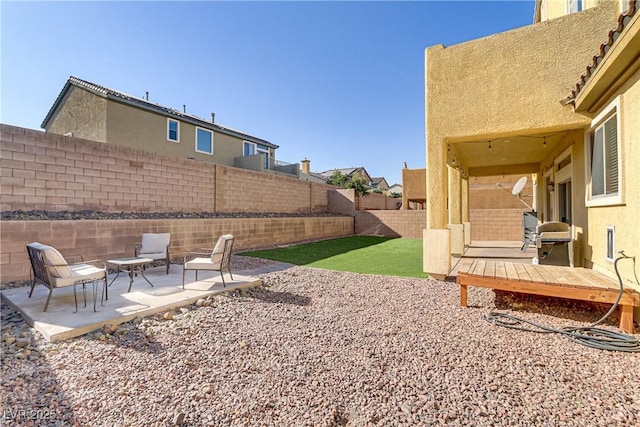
[320, 348]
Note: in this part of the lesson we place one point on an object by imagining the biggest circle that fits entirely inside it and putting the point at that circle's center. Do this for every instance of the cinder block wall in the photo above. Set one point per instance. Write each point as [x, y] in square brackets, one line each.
[377, 201]
[105, 239]
[45, 171]
[397, 223]
[496, 224]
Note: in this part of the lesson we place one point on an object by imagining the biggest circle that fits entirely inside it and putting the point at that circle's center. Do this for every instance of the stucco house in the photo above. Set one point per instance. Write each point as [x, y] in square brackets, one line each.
[307, 175]
[350, 172]
[91, 111]
[557, 101]
[380, 183]
[395, 188]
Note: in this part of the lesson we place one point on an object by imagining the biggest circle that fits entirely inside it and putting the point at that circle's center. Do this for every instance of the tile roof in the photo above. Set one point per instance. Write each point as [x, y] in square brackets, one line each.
[313, 176]
[623, 20]
[343, 171]
[144, 104]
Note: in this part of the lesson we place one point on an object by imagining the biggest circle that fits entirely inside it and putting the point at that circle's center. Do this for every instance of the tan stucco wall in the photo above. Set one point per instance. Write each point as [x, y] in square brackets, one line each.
[536, 66]
[507, 86]
[551, 9]
[413, 185]
[623, 217]
[133, 127]
[82, 113]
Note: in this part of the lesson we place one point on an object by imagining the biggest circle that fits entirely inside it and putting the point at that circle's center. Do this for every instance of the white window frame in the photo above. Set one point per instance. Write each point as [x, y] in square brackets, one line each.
[549, 199]
[196, 141]
[169, 120]
[608, 199]
[255, 148]
[579, 6]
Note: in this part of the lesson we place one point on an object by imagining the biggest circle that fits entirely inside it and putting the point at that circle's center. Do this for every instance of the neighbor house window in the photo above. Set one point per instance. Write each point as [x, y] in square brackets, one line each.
[604, 159]
[173, 130]
[249, 148]
[575, 6]
[204, 141]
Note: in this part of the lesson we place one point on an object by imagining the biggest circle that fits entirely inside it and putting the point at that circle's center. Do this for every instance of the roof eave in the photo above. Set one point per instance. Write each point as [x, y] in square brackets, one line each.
[55, 105]
[617, 66]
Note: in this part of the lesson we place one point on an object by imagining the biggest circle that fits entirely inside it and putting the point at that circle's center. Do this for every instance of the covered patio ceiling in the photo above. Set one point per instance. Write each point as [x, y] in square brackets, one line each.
[519, 154]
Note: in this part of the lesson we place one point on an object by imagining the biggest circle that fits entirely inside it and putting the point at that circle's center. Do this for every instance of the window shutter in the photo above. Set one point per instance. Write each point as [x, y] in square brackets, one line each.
[597, 163]
[611, 155]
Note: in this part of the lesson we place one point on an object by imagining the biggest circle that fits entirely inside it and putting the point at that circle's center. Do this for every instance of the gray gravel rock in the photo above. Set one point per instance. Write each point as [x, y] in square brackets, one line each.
[322, 348]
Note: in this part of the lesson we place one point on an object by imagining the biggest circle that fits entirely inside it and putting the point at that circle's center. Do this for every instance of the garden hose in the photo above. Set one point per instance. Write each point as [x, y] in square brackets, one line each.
[590, 336]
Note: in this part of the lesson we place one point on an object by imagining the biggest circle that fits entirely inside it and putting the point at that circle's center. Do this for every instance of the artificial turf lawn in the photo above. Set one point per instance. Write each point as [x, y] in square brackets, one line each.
[358, 254]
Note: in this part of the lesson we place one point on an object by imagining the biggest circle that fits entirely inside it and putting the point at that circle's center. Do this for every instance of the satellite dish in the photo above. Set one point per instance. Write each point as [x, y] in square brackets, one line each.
[519, 186]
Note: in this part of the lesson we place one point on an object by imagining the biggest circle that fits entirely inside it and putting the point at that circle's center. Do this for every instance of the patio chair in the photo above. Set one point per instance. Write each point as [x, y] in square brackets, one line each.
[217, 260]
[156, 247]
[51, 269]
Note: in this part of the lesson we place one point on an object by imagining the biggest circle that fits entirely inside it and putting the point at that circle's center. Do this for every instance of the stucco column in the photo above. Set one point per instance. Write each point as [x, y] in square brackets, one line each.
[455, 213]
[436, 238]
[466, 222]
[464, 197]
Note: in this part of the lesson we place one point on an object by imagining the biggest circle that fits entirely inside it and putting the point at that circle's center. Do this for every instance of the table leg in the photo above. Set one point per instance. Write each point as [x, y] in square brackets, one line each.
[94, 285]
[114, 279]
[75, 297]
[145, 278]
[130, 278]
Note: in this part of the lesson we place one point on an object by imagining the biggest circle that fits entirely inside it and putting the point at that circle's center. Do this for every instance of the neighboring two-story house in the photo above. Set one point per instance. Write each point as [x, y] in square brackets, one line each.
[395, 189]
[350, 172]
[90, 111]
[380, 183]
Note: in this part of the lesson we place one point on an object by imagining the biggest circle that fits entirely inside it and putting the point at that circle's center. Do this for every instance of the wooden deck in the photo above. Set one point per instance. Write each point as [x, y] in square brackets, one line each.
[564, 282]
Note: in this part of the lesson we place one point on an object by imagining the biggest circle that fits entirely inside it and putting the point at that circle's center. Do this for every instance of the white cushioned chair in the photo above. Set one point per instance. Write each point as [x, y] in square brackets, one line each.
[205, 259]
[51, 269]
[155, 246]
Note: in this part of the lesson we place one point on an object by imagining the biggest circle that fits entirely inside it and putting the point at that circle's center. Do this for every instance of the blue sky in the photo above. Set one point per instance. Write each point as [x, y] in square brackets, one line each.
[340, 83]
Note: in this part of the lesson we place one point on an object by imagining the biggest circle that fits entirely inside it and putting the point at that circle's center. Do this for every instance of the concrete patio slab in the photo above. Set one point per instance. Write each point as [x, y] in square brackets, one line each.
[60, 322]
